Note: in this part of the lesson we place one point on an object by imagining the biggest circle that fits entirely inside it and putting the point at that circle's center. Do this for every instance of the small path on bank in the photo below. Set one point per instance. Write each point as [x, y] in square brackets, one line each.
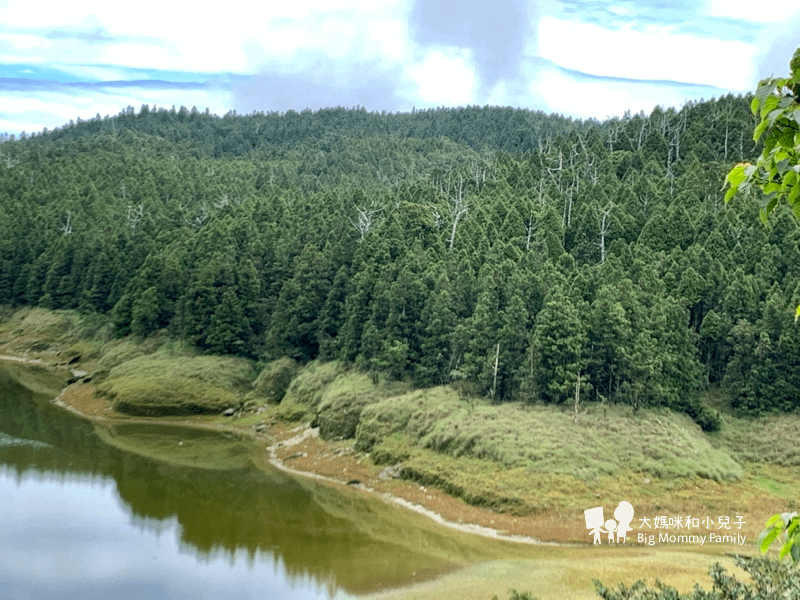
[306, 434]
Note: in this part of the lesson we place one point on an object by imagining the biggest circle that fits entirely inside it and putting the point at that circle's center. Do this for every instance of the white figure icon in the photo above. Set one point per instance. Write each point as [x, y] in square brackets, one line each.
[624, 515]
[594, 522]
[611, 525]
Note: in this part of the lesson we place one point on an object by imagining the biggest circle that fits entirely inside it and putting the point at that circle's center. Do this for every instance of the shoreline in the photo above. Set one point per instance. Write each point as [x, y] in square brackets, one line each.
[275, 460]
[472, 528]
[295, 449]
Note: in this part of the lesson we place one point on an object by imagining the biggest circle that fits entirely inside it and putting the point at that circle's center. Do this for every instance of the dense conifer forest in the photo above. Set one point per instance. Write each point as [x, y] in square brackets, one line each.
[518, 255]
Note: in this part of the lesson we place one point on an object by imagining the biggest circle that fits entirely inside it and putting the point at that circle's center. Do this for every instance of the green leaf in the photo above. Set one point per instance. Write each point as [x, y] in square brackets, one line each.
[736, 175]
[772, 188]
[794, 194]
[768, 205]
[769, 144]
[797, 314]
[786, 138]
[794, 525]
[773, 520]
[770, 110]
[765, 89]
[787, 547]
[754, 105]
[796, 553]
[759, 130]
[771, 536]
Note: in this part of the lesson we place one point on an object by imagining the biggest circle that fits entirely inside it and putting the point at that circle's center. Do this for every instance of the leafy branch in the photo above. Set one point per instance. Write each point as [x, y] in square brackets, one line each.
[777, 171]
[786, 527]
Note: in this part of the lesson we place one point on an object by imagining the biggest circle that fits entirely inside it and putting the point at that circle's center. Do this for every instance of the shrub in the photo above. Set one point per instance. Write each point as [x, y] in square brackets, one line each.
[771, 580]
[341, 405]
[310, 383]
[157, 385]
[274, 380]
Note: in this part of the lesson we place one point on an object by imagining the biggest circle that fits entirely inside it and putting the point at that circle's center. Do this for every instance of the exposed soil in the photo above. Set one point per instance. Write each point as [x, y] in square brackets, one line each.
[300, 450]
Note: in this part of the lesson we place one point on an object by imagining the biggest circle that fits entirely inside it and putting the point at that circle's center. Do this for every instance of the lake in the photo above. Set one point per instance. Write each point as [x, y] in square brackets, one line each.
[131, 510]
[152, 510]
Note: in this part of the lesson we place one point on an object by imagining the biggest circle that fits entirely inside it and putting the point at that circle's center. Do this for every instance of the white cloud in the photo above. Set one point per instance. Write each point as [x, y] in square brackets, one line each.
[180, 38]
[747, 10]
[444, 79]
[656, 55]
[389, 37]
[601, 99]
[28, 42]
[144, 56]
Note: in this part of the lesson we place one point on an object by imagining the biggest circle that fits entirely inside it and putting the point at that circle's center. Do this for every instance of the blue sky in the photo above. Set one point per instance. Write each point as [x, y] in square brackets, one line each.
[585, 58]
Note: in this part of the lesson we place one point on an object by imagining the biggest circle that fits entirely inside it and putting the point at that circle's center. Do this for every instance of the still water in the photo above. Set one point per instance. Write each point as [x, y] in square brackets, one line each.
[153, 511]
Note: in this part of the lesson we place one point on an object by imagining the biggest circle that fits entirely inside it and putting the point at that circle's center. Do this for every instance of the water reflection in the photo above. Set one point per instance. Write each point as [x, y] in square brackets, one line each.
[179, 509]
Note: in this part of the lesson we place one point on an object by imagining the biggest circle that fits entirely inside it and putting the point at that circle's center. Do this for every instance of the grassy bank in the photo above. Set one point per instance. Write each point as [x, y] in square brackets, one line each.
[531, 460]
[517, 460]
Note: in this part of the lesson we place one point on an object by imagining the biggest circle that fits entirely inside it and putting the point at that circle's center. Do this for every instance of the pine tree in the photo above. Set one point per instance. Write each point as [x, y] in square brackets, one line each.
[559, 339]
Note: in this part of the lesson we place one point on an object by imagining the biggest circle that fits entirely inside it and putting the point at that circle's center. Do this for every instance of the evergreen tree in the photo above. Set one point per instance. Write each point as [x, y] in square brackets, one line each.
[559, 339]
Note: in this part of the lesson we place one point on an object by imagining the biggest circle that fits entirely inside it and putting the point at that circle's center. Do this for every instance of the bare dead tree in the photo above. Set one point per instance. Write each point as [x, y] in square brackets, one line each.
[642, 133]
[458, 208]
[197, 221]
[494, 366]
[529, 229]
[478, 174]
[365, 219]
[556, 172]
[66, 228]
[566, 218]
[9, 161]
[436, 214]
[454, 190]
[135, 214]
[530, 226]
[605, 225]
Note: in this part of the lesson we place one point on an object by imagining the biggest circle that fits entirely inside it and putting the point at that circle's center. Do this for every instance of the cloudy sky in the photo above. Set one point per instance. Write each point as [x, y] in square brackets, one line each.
[585, 58]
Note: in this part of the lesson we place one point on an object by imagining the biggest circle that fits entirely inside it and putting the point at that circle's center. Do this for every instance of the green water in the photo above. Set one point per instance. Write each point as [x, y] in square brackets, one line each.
[131, 510]
[134, 510]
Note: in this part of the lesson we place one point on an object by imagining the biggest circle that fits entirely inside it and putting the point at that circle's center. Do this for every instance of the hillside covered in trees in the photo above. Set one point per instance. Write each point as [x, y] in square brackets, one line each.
[514, 254]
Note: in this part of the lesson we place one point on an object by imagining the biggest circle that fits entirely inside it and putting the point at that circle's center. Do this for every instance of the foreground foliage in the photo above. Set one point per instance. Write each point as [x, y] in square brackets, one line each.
[771, 580]
[784, 527]
[777, 171]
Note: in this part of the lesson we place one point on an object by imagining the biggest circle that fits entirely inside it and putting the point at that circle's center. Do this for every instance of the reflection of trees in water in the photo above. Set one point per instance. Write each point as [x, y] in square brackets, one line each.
[337, 538]
[67, 443]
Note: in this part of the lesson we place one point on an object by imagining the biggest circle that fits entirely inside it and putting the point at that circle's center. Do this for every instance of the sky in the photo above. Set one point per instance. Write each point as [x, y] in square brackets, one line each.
[582, 58]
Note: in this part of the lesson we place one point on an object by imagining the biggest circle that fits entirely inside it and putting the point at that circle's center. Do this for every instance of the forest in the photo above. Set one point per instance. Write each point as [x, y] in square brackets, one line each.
[511, 254]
